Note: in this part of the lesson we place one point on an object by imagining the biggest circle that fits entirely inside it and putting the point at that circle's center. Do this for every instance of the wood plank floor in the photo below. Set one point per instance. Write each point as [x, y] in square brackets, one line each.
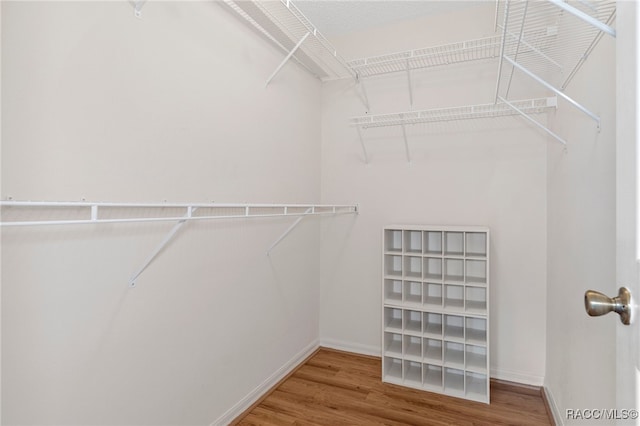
[340, 388]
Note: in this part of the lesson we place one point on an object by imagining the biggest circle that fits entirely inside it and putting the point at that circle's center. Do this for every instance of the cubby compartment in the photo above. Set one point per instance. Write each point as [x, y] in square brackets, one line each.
[454, 297]
[433, 242]
[413, 322]
[393, 240]
[432, 350]
[454, 327]
[454, 270]
[476, 386]
[476, 330]
[413, 292]
[392, 369]
[476, 271]
[454, 354]
[476, 358]
[413, 266]
[432, 324]
[454, 381]
[393, 319]
[413, 372]
[412, 346]
[412, 241]
[476, 300]
[476, 244]
[433, 268]
[393, 344]
[432, 376]
[393, 265]
[432, 293]
[392, 291]
[453, 243]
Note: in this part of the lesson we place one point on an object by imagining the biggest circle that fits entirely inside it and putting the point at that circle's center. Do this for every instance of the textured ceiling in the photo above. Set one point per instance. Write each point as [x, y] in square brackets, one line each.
[336, 17]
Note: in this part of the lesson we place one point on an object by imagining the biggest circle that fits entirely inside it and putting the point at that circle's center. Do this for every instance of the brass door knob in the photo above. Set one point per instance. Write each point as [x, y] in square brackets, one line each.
[596, 304]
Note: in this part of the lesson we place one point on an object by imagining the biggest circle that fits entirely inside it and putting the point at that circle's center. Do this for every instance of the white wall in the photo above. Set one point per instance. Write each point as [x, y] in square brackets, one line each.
[485, 172]
[581, 187]
[100, 105]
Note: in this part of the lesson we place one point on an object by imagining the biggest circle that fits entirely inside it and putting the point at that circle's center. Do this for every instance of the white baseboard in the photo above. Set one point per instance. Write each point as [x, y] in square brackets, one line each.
[263, 387]
[350, 347]
[557, 416]
[517, 377]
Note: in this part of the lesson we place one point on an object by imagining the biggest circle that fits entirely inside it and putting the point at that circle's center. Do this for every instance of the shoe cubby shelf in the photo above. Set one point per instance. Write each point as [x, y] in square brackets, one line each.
[435, 309]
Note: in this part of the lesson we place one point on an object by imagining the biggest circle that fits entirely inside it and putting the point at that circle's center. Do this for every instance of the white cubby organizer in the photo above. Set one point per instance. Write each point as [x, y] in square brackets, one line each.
[435, 314]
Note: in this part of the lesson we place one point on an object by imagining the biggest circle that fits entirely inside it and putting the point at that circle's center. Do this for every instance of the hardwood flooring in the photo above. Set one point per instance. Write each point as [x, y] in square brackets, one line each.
[340, 388]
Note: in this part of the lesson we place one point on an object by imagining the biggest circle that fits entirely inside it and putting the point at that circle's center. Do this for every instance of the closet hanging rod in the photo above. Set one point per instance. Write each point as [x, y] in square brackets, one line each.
[233, 211]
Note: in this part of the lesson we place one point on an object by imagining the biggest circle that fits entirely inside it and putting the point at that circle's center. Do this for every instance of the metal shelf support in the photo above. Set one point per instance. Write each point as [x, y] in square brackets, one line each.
[531, 120]
[595, 117]
[364, 149]
[406, 143]
[364, 97]
[409, 84]
[585, 17]
[161, 246]
[286, 59]
[137, 7]
[285, 233]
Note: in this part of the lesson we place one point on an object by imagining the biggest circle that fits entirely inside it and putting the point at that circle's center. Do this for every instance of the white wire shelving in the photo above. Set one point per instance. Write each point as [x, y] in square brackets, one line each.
[285, 25]
[409, 60]
[43, 213]
[490, 110]
[47, 213]
[548, 41]
[502, 108]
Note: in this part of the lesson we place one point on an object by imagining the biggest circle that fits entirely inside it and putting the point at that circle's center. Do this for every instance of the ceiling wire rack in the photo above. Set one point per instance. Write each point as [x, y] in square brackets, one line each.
[502, 108]
[46, 213]
[285, 25]
[548, 42]
[428, 57]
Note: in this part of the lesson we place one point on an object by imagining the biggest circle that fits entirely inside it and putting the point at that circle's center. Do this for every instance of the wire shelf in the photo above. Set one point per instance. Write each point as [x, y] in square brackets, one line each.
[39, 213]
[500, 109]
[283, 23]
[464, 51]
[551, 39]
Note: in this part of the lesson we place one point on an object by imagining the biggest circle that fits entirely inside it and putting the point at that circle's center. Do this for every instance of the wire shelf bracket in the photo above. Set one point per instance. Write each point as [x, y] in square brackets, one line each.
[364, 147]
[137, 7]
[531, 120]
[282, 23]
[161, 246]
[577, 105]
[286, 59]
[285, 233]
[87, 213]
[584, 16]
